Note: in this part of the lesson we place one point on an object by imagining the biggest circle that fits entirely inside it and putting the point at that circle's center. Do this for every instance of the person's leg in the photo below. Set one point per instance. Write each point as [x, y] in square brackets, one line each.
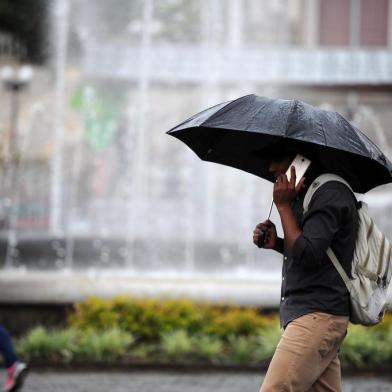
[306, 348]
[16, 370]
[330, 380]
[7, 348]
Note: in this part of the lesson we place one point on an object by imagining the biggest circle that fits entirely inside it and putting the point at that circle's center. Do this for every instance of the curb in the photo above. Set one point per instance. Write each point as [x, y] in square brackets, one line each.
[129, 366]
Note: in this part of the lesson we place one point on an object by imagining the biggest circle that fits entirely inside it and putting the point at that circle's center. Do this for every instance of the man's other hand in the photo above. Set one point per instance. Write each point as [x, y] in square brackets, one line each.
[268, 230]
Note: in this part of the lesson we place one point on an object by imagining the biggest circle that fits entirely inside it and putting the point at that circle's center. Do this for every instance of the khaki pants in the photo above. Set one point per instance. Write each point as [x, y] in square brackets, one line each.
[306, 358]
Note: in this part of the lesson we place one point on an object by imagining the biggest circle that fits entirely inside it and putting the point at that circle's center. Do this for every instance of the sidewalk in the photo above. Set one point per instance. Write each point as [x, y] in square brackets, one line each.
[153, 381]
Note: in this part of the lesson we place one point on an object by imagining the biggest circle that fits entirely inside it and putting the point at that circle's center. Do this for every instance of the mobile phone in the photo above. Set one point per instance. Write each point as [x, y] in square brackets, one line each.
[301, 164]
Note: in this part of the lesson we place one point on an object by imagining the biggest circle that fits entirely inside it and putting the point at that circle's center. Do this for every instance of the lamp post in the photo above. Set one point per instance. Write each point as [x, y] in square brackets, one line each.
[15, 79]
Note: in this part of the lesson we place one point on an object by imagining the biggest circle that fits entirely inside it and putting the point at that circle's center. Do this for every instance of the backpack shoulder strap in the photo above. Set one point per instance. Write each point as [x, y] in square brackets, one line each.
[339, 268]
[317, 183]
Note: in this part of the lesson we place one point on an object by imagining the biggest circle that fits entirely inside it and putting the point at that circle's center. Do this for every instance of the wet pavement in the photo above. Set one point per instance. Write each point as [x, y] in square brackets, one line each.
[153, 381]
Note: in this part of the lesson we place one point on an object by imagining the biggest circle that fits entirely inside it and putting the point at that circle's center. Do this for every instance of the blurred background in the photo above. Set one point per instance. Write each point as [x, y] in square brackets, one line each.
[95, 198]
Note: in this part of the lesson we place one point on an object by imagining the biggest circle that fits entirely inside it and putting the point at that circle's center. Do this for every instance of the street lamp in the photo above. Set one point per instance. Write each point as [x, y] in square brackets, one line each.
[14, 80]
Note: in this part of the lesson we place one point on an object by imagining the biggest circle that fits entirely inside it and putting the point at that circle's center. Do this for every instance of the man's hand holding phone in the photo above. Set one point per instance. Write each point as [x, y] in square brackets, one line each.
[286, 190]
[288, 185]
[265, 235]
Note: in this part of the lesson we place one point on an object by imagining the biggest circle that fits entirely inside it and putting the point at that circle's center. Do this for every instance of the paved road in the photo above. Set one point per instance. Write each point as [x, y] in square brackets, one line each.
[150, 381]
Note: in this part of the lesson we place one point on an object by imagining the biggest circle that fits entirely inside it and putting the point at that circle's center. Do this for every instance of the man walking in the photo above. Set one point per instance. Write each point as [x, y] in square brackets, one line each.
[314, 307]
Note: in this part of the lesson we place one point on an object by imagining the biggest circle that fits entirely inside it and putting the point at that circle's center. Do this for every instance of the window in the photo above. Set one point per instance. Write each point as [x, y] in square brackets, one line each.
[374, 22]
[334, 26]
[353, 22]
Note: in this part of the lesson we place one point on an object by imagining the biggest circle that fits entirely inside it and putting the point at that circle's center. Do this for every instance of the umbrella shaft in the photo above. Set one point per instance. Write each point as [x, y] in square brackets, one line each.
[270, 210]
[261, 237]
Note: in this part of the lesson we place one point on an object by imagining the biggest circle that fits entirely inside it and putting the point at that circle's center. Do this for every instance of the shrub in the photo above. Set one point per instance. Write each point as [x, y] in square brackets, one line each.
[236, 321]
[104, 346]
[267, 342]
[58, 346]
[176, 345]
[94, 313]
[209, 348]
[178, 329]
[241, 349]
[385, 326]
[363, 348]
[146, 352]
[147, 320]
[70, 344]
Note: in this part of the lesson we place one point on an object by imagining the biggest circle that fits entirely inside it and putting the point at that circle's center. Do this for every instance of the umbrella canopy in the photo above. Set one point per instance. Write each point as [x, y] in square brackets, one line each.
[236, 133]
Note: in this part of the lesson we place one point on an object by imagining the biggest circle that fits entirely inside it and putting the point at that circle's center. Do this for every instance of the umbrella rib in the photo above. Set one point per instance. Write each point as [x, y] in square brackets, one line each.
[323, 132]
[195, 115]
[292, 107]
[260, 109]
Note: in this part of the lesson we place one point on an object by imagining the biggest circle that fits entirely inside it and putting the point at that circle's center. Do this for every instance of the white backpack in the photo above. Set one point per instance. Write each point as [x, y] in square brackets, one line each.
[371, 268]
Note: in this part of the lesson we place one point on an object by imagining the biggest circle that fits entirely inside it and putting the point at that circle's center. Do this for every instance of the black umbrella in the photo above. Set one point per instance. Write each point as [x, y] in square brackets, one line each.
[233, 133]
[236, 133]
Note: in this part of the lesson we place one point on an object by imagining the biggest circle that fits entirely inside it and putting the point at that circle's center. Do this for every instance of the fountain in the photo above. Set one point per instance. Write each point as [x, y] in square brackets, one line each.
[130, 209]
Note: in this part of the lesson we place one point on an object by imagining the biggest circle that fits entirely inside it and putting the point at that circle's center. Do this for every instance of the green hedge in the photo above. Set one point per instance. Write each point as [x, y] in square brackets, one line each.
[71, 345]
[149, 319]
[368, 348]
[124, 329]
[68, 345]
